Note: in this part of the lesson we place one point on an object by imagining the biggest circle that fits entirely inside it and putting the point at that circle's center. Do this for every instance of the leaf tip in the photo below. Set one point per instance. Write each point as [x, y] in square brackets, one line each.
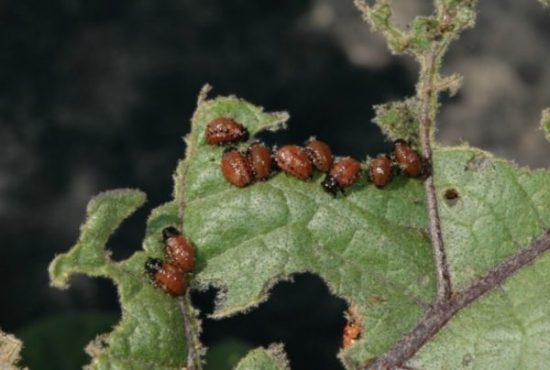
[58, 275]
[203, 93]
[272, 358]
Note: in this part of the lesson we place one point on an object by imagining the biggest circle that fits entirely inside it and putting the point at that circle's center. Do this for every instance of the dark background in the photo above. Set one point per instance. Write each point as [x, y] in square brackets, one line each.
[97, 95]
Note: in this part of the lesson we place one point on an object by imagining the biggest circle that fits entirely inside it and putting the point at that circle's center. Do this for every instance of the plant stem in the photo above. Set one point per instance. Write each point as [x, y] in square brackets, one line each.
[192, 325]
[428, 101]
[443, 311]
[191, 339]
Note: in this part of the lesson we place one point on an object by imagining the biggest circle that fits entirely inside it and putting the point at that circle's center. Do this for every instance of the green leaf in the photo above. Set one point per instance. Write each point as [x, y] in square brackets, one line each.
[507, 329]
[368, 245]
[545, 122]
[255, 119]
[10, 348]
[225, 355]
[150, 334]
[104, 214]
[496, 209]
[272, 358]
[545, 2]
[398, 120]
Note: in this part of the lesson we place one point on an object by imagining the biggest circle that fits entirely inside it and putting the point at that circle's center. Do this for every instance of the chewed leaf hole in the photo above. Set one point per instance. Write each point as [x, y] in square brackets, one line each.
[451, 197]
[310, 326]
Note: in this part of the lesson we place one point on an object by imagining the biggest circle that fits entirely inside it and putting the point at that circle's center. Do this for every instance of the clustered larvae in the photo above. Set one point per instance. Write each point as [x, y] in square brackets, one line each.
[294, 161]
[236, 168]
[256, 163]
[171, 275]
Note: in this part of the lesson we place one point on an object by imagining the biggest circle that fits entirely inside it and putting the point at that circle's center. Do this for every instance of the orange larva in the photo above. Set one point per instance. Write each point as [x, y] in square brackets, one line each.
[353, 328]
[225, 130]
[380, 171]
[408, 159]
[259, 157]
[179, 250]
[167, 276]
[346, 172]
[294, 161]
[236, 168]
[320, 154]
[352, 332]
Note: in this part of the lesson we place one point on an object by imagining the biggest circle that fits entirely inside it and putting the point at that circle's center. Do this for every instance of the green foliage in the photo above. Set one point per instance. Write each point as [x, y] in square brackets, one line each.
[496, 210]
[398, 120]
[104, 214]
[141, 339]
[451, 17]
[508, 329]
[368, 245]
[226, 354]
[371, 246]
[272, 358]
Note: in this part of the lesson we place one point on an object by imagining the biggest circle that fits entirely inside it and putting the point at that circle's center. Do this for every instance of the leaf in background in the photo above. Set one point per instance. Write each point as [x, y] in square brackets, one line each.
[272, 358]
[58, 342]
[225, 354]
[150, 334]
[10, 348]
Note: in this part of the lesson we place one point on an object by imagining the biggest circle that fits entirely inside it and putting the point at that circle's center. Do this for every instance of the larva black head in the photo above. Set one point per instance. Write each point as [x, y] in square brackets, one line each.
[230, 148]
[331, 185]
[400, 141]
[169, 232]
[153, 265]
[245, 135]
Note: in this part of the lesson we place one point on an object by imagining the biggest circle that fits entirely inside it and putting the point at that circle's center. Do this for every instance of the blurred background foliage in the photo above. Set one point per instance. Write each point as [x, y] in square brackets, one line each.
[96, 95]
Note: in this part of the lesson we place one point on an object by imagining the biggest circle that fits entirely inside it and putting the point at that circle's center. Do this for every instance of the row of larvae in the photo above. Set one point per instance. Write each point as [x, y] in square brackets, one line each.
[170, 275]
[242, 169]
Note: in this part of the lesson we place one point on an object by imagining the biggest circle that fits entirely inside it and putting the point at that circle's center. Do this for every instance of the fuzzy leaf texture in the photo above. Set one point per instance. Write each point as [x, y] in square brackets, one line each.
[150, 334]
[497, 209]
[370, 246]
[272, 358]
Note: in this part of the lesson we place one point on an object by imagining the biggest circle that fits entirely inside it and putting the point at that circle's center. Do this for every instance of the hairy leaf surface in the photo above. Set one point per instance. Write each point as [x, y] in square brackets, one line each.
[369, 245]
[272, 358]
[150, 334]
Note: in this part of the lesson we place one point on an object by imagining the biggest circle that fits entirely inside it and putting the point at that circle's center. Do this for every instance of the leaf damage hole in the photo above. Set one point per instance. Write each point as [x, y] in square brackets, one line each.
[451, 197]
[309, 325]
